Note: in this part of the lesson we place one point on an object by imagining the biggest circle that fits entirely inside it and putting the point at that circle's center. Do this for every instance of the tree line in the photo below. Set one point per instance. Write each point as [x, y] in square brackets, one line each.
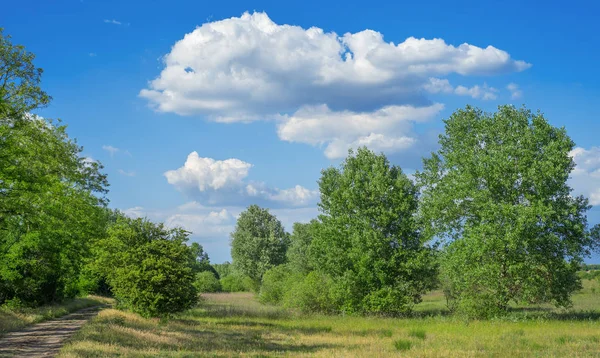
[490, 219]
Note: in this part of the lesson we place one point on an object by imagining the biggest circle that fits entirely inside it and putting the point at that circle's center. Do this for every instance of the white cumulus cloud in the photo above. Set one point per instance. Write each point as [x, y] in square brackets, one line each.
[439, 85]
[585, 178]
[251, 65]
[388, 129]
[249, 68]
[220, 182]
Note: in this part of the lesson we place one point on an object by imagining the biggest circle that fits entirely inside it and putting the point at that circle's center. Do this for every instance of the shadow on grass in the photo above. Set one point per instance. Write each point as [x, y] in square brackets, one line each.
[230, 311]
[204, 340]
[276, 327]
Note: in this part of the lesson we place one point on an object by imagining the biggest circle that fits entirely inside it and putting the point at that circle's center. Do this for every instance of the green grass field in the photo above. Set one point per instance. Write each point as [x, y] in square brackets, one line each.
[15, 319]
[226, 325]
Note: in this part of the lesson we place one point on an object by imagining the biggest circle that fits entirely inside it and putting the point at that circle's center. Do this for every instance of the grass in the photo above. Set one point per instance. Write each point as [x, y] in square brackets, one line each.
[235, 324]
[16, 319]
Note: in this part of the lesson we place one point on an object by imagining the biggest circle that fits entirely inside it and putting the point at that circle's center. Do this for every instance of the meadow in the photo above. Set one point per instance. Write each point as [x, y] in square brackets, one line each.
[235, 324]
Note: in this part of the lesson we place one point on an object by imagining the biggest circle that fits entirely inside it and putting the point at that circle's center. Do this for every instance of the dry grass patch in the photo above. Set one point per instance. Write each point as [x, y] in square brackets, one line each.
[16, 319]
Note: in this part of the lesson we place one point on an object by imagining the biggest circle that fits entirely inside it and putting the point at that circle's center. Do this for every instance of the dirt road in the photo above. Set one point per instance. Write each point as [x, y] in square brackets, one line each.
[45, 339]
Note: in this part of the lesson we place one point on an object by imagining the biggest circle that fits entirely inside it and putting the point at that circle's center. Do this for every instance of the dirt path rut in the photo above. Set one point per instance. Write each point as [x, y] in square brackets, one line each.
[46, 338]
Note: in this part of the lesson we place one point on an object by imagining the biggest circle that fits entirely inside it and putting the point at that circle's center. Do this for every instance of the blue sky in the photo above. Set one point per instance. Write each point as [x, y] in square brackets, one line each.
[249, 108]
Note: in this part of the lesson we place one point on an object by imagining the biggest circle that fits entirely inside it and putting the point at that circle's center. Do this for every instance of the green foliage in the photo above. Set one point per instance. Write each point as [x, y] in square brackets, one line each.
[50, 196]
[258, 242]
[496, 194]
[312, 293]
[206, 281]
[236, 282]
[224, 269]
[274, 284]
[20, 91]
[149, 267]
[298, 252]
[402, 345]
[367, 241]
[201, 261]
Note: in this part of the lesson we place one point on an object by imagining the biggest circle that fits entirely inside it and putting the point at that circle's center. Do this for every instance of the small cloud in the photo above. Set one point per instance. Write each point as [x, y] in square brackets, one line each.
[113, 21]
[92, 54]
[126, 173]
[110, 149]
[439, 85]
[515, 92]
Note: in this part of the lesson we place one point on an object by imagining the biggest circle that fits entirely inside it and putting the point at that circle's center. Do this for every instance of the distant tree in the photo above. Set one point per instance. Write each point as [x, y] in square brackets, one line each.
[149, 267]
[207, 282]
[298, 255]
[224, 269]
[496, 194]
[367, 241]
[258, 243]
[201, 262]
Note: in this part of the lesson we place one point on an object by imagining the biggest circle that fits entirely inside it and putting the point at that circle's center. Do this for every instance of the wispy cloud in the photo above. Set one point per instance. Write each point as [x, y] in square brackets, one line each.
[113, 21]
[110, 149]
[515, 92]
[114, 150]
[92, 54]
[126, 173]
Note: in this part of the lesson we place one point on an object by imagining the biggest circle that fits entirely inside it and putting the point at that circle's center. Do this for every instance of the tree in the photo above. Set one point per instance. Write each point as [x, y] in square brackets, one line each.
[201, 262]
[496, 195]
[258, 243]
[20, 91]
[367, 241]
[207, 282]
[51, 198]
[149, 267]
[298, 255]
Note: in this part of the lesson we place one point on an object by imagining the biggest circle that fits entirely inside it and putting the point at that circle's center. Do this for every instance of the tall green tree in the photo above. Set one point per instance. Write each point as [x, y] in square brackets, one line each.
[298, 252]
[367, 241]
[258, 242]
[51, 197]
[496, 194]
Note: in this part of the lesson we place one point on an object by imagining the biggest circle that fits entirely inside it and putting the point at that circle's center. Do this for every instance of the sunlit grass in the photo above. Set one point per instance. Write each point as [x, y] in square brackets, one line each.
[15, 319]
[235, 324]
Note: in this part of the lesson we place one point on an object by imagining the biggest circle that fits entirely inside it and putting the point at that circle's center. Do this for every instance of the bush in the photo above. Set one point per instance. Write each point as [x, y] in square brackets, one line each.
[149, 267]
[207, 282]
[313, 293]
[274, 285]
[236, 282]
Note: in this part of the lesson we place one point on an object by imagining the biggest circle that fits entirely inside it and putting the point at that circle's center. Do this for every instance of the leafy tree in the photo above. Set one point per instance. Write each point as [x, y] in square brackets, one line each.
[298, 254]
[50, 196]
[496, 194]
[224, 269]
[367, 241]
[20, 90]
[149, 267]
[201, 261]
[207, 282]
[258, 242]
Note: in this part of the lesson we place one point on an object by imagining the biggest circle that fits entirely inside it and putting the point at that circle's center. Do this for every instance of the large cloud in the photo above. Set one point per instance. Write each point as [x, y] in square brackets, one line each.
[222, 182]
[250, 68]
[585, 178]
[387, 129]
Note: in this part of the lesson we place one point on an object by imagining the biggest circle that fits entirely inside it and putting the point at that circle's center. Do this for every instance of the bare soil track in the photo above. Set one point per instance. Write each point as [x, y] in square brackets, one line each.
[46, 338]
